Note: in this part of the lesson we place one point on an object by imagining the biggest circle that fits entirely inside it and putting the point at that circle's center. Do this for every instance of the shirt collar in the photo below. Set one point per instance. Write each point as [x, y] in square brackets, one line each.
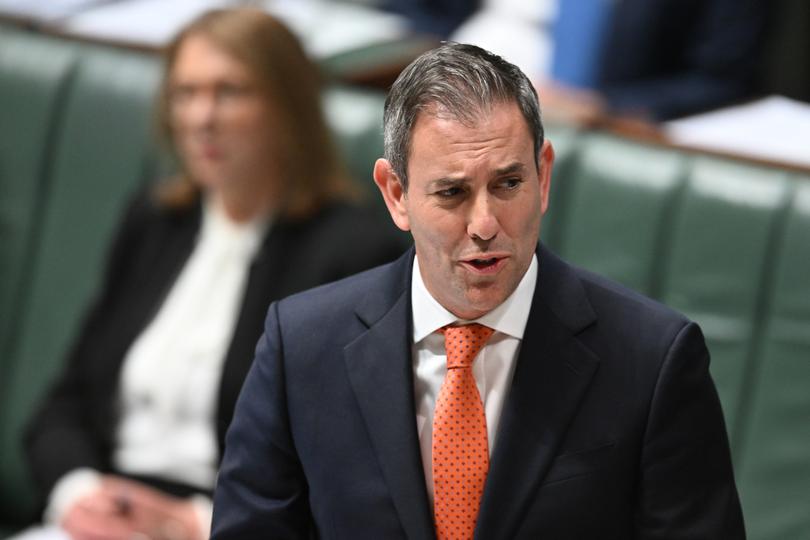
[510, 317]
[236, 238]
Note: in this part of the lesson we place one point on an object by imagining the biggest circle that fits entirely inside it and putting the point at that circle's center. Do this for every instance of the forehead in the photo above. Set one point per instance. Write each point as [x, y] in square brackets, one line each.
[200, 58]
[491, 136]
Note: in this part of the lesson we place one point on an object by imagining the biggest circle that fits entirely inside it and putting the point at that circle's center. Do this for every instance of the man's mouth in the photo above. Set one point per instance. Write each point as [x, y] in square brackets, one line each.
[485, 265]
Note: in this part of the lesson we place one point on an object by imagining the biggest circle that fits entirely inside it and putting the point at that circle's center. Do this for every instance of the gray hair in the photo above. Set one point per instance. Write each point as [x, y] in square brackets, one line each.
[460, 80]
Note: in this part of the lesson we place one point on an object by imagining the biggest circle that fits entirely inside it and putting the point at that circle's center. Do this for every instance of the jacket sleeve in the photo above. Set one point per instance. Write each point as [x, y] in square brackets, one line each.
[261, 489]
[686, 482]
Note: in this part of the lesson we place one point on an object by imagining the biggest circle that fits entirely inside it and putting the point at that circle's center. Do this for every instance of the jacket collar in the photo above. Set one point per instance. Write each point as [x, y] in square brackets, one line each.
[551, 377]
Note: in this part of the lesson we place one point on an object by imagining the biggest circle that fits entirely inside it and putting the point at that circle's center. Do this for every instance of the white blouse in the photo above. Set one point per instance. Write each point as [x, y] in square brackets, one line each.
[170, 376]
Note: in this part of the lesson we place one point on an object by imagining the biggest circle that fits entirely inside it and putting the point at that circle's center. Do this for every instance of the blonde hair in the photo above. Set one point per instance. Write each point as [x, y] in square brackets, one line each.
[314, 171]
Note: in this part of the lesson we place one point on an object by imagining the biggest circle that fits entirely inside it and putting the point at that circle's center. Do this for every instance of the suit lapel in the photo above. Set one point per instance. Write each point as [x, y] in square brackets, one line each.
[381, 375]
[551, 377]
[264, 284]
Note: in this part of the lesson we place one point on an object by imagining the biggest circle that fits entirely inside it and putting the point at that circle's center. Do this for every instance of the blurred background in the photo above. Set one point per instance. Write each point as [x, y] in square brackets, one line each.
[682, 134]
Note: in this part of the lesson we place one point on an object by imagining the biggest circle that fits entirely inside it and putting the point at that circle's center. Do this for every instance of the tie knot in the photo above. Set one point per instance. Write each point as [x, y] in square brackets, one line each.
[462, 343]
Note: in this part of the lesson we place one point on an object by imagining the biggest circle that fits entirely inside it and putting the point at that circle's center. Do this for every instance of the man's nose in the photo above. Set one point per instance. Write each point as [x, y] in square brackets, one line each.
[483, 222]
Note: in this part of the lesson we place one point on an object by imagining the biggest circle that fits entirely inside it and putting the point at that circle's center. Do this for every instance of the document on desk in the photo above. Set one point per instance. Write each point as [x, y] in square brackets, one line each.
[46, 12]
[328, 27]
[774, 128]
[324, 27]
[139, 22]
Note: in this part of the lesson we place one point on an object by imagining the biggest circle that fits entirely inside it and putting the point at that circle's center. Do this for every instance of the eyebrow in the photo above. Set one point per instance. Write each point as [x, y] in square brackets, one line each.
[448, 182]
[445, 182]
[516, 167]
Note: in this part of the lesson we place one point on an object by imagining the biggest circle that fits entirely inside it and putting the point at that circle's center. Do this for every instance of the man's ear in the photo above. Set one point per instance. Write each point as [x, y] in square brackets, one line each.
[394, 195]
[546, 163]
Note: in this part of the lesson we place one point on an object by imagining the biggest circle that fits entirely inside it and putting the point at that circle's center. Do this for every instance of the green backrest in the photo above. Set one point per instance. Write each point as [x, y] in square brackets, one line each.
[34, 72]
[102, 152]
[726, 243]
[716, 259]
[355, 116]
[774, 461]
[565, 142]
[620, 202]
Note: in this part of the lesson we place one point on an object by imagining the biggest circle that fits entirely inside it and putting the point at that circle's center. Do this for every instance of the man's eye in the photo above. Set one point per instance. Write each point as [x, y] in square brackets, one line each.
[449, 192]
[509, 184]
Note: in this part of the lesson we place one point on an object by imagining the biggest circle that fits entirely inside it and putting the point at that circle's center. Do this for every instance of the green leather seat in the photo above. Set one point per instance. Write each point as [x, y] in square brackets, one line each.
[564, 139]
[620, 206]
[718, 252]
[774, 462]
[101, 153]
[33, 76]
[355, 116]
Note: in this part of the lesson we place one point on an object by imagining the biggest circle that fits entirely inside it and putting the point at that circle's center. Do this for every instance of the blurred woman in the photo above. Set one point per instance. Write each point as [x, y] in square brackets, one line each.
[129, 439]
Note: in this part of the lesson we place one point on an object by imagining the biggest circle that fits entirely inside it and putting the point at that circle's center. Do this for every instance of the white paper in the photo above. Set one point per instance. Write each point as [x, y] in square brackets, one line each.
[46, 11]
[330, 27]
[140, 22]
[774, 128]
[324, 27]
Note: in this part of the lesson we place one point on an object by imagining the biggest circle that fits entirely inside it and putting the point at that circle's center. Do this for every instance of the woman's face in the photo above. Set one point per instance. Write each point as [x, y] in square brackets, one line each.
[220, 119]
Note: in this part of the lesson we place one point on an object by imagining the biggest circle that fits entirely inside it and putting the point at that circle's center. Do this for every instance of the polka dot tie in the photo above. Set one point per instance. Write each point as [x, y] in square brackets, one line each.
[460, 446]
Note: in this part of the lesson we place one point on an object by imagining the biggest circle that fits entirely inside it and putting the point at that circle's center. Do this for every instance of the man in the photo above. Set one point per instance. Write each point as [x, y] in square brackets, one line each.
[588, 412]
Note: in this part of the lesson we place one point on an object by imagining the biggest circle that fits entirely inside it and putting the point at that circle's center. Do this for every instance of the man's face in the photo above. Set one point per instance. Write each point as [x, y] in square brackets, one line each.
[474, 202]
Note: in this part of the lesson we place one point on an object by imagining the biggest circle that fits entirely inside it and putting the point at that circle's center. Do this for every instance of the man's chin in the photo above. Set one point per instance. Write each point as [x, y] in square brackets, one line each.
[479, 302]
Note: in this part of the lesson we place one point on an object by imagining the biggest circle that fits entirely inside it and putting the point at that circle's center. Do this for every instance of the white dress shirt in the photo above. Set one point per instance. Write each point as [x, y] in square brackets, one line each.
[493, 367]
[170, 376]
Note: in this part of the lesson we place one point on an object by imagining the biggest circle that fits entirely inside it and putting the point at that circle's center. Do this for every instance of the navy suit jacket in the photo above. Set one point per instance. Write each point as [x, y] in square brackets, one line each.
[665, 58]
[611, 429]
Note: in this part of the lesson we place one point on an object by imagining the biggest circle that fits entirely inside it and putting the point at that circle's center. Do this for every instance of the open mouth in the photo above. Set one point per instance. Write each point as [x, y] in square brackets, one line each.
[484, 263]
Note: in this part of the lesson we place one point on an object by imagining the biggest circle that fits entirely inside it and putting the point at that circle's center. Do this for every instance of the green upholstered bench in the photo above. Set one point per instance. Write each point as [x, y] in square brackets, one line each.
[98, 149]
[724, 241]
[77, 138]
[33, 75]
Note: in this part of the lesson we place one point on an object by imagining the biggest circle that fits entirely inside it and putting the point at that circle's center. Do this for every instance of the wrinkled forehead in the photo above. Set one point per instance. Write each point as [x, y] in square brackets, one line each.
[469, 114]
[474, 117]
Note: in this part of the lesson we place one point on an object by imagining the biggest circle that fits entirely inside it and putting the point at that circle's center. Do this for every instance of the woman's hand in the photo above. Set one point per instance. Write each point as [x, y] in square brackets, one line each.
[122, 509]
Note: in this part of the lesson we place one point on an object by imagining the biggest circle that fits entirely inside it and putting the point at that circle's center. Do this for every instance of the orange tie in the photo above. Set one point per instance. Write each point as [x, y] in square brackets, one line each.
[460, 446]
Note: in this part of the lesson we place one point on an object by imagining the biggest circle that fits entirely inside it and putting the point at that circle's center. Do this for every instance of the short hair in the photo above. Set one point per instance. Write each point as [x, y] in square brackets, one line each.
[312, 167]
[461, 80]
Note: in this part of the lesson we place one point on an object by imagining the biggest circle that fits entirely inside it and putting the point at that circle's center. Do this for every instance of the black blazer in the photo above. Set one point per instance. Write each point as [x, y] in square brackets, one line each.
[74, 427]
[612, 428]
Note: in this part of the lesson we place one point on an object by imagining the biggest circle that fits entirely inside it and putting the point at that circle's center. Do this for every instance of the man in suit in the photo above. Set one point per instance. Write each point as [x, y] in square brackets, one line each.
[588, 411]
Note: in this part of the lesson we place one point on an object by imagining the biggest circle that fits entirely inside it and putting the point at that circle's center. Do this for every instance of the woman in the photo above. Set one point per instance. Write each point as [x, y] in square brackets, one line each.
[129, 438]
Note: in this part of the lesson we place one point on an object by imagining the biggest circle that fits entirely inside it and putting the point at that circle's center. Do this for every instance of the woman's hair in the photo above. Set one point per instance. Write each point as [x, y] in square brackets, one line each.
[309, 162]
